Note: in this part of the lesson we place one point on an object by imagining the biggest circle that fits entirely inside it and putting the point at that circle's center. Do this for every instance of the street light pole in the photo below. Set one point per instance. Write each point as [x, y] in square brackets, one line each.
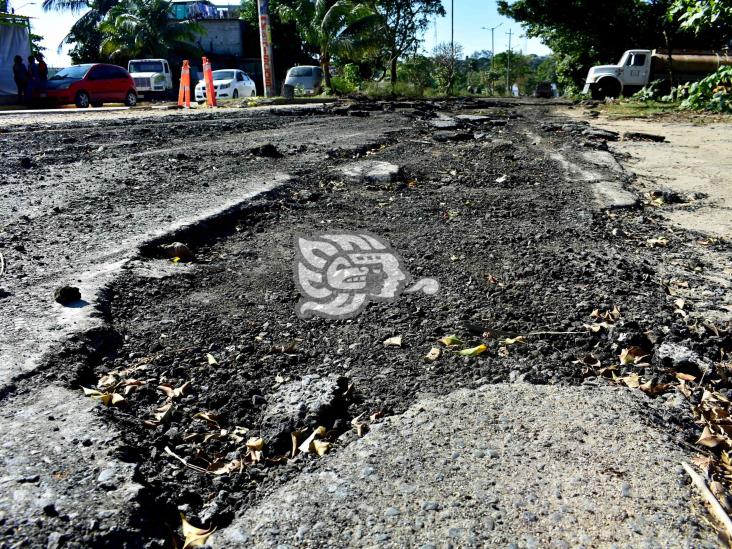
[493, 49]
[508, 63]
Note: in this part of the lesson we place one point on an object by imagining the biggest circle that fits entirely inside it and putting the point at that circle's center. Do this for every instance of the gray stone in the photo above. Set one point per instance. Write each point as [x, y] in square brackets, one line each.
[596, 133]
[672, 355]
[370, 171]
[443, 136]
[610, 195]
[303, 403]
[547, 491]
[444, 122]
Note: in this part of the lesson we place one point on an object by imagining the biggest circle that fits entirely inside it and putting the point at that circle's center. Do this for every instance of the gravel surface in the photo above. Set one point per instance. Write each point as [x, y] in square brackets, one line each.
[209, 355]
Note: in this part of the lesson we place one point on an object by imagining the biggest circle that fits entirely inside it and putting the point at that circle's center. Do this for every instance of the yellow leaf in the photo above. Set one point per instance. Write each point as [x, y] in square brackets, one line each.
[450, 340]
[194, 537]
[518, 340]
[255, 443]
[212, 359]
[321, 447]
[474, 351]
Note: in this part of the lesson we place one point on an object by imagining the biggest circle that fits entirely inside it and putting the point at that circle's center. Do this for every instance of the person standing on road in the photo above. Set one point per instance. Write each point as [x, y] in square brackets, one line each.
[34, 78]
[42, 68]
[20, 75]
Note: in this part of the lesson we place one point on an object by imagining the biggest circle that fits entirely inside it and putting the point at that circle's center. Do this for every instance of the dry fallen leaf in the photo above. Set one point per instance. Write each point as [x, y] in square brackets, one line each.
[225, 467]
[474, 351]
[255, 443]
[632, 355]
[209, 417]
[660, 242]
[433, 355]
[395, 341]
[709, 439]
[212, 359]
[171, 392]
[194, 537]
[307, 446]
[518, 340]
[503, 352]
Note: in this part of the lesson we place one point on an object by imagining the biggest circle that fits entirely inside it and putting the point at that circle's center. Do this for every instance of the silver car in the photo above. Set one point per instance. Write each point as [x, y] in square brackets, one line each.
[305, 79]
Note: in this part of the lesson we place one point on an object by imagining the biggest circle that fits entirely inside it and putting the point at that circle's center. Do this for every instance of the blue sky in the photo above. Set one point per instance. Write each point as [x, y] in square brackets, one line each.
[470, 16]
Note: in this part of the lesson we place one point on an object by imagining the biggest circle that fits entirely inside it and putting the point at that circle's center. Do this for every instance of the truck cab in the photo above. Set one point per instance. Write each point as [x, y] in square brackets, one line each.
[627, 77]
[152, 76]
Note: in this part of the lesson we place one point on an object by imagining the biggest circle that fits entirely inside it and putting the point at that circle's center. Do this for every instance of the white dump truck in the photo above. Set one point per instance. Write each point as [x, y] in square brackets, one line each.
[152, 77]
[637, 68]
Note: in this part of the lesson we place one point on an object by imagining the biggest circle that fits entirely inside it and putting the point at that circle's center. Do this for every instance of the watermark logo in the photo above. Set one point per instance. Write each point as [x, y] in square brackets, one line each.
[339, 273]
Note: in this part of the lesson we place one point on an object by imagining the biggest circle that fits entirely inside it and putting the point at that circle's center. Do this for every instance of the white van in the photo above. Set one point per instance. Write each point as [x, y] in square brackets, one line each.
[305, 79]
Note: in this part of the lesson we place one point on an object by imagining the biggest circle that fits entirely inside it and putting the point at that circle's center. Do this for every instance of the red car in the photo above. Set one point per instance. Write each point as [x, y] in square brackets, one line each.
[91, 84]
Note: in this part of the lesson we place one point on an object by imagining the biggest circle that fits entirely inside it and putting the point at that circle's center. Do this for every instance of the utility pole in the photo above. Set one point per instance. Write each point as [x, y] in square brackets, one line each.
[493, 50]
[452, 28]
[508, 63]
[265, 40]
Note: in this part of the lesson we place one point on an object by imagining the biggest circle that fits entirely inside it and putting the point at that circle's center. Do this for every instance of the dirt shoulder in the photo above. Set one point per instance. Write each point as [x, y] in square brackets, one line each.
[694, 161]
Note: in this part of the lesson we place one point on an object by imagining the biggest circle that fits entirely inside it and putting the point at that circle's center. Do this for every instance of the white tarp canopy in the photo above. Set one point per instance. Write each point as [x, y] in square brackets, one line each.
[14, 41]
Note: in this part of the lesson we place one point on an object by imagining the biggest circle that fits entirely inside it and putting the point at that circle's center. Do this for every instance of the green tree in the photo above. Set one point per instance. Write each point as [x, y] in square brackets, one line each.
[84, 33]
[589, 31]
[404, 23]
[418, 70]
[333, 27]
[701, 16]
[143, 28]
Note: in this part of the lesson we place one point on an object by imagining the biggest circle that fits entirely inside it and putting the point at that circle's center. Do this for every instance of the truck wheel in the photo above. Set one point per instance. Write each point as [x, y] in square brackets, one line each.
[131, 99]
[82, 100]
[606, 87]
[235, 95]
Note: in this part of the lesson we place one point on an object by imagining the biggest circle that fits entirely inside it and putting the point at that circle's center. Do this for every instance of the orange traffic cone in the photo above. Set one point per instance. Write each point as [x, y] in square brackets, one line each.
[184, 92]
[208, 78]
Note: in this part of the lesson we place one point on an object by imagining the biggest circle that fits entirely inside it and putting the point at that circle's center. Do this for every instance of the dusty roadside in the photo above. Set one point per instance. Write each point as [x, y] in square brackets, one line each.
[694, 161]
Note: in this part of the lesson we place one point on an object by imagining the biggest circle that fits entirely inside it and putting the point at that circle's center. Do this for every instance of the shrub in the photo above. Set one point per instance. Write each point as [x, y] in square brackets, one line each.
[714, 93]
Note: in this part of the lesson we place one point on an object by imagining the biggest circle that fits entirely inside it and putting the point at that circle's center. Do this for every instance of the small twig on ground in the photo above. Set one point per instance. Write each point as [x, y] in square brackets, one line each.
[716, 507]
[2, 264]
[185, 462]
[555, 333]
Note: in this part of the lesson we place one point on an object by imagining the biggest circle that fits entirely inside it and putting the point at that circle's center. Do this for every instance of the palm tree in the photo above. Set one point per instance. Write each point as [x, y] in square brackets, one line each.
[334, 27]
[84, 32]
[135, 28]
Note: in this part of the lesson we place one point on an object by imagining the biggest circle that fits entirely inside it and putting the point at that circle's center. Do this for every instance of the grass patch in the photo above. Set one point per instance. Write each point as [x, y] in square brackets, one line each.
[637, 109]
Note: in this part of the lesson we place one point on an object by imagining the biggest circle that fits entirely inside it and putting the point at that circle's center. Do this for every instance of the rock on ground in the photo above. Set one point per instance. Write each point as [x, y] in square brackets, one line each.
[370, 171]
[303, 403]
[504, 465]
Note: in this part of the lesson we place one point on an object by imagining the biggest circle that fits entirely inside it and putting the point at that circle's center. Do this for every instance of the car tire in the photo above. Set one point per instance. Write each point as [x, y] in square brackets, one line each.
[235, 95]
[82, 100]
[254, 94]
[131, 99]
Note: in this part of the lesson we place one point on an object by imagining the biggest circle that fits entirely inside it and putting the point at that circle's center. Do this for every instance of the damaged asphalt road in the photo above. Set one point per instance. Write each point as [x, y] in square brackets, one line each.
[524, 219]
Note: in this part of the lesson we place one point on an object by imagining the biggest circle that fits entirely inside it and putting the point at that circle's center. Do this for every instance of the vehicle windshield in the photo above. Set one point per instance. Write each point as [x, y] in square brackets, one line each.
[76, 72]
[224, 75]
[146, 66]
[301, 71]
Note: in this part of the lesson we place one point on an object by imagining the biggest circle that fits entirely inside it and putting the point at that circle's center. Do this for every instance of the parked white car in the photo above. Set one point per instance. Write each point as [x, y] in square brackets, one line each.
[229, 84]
